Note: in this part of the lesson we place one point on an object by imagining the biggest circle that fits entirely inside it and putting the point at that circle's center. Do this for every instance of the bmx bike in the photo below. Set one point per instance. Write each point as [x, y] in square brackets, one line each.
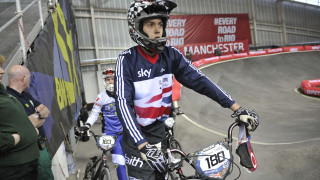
[97, 168]
[212, 162]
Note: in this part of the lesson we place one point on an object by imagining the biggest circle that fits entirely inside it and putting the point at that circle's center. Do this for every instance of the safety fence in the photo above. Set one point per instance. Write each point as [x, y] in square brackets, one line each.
[215, 59]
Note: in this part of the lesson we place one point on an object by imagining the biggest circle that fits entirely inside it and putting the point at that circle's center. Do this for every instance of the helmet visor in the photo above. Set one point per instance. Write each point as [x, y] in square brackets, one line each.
[160, 7]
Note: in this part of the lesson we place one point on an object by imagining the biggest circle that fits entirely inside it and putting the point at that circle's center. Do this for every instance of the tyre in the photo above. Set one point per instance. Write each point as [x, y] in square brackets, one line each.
[174, 144]
[89, 171]
[105, 174]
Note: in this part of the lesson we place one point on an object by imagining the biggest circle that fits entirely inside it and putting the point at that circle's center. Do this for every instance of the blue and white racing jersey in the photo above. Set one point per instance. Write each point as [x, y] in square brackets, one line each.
[105, 103]
[143, 87]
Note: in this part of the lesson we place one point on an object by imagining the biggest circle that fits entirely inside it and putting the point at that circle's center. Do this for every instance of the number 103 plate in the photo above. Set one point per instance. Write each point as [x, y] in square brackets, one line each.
[214, 162]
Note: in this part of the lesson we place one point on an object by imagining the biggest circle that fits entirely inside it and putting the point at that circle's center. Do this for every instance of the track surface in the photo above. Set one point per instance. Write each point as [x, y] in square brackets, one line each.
[287, 142]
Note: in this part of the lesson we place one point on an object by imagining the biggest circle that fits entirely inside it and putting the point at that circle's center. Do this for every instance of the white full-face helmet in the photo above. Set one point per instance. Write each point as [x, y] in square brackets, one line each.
[139, 11]
[108, 72]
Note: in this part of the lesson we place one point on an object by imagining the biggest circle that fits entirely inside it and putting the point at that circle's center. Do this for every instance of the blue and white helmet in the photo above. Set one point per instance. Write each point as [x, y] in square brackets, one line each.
[139, 11]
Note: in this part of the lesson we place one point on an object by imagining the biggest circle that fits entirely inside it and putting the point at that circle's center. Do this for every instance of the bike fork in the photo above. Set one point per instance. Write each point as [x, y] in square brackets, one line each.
[104, 160]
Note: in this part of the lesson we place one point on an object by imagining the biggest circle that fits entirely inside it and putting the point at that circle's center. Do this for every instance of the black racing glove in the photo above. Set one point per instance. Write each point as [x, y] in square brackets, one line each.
[85, 128]
[82, 132]
[249, 117]
[154, 157]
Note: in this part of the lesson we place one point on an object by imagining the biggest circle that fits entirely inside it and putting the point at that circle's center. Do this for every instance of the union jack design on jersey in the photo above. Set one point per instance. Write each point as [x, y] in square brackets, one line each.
[156, 104]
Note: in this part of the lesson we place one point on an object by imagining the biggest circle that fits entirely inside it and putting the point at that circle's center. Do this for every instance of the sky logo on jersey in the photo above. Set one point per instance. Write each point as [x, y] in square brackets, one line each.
[144, 73]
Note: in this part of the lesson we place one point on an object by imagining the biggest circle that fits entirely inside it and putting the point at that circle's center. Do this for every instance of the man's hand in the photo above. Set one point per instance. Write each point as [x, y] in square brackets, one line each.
[34, 118]
[154, 157]
[16, 138]
[37, 131]
[43, 110]
[249, 117]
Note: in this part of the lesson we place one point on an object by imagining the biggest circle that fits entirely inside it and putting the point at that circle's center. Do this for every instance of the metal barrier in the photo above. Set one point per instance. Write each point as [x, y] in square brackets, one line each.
[19, 55]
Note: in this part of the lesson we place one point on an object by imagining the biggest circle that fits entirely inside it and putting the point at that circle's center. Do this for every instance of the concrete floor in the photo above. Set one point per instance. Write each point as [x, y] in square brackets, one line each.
[287, 142]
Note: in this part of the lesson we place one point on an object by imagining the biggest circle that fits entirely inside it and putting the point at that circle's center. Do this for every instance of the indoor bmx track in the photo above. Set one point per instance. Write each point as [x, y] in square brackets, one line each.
[287, 142]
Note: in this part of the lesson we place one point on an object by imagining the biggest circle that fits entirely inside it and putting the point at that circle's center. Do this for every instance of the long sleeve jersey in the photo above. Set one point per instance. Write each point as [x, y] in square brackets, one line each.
[105, 103]
[144, 87]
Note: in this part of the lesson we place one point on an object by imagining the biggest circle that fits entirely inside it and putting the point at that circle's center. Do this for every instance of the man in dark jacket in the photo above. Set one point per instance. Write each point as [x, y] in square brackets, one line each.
[19, 81]
[19, 151]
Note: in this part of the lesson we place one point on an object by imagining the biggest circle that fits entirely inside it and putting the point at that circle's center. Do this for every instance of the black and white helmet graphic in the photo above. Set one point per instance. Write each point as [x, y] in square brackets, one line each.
[139, 11]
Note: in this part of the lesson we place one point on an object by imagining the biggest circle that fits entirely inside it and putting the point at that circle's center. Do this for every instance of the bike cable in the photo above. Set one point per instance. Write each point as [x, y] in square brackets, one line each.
[238, 169]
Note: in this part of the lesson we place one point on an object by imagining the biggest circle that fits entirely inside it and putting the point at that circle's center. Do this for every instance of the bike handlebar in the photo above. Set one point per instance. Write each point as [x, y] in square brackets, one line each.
[103, 142]
[175, 164]
[91, 133]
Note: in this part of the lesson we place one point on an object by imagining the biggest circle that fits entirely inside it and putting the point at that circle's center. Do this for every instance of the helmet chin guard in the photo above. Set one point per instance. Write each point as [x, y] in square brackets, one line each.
[110, 87]
[138, 12]
[108, 72]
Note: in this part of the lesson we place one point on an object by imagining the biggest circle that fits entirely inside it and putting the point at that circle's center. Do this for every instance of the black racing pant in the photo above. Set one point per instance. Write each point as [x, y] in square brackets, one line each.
[138, 169]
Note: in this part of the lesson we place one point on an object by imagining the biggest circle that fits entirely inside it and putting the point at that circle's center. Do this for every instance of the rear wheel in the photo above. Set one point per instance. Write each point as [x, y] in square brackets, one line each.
[105, 174]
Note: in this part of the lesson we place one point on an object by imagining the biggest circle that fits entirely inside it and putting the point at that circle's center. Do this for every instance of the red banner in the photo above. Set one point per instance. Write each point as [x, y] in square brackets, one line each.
[206, 50]
[185, 30]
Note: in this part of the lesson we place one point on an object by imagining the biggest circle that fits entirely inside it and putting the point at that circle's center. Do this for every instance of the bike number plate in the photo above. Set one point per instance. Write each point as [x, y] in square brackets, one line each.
[170, 122]
[106, 142]
[214, 162]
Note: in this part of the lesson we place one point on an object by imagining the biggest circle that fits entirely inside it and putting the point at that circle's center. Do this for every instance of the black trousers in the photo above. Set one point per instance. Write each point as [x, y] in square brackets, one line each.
[27, 171]
[137, 167]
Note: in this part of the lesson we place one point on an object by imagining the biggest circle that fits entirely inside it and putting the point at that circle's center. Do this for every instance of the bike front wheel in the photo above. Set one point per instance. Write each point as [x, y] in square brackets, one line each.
[105, 174]
[174, 144]
[89, 171]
